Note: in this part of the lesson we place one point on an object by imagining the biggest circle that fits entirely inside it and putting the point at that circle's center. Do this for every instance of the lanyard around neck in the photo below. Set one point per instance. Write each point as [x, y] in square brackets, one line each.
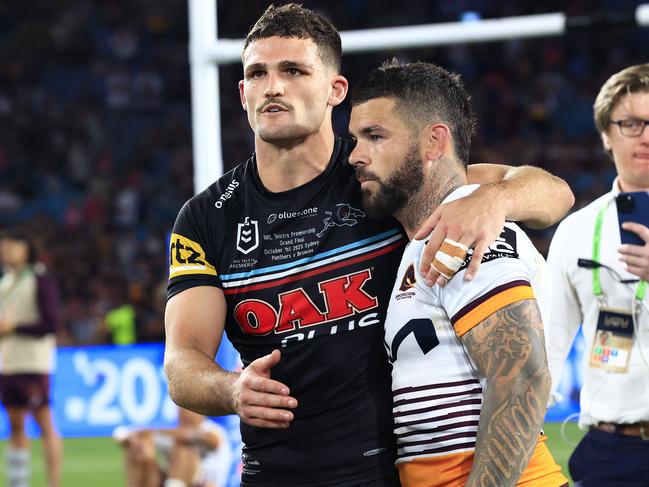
[641, 288]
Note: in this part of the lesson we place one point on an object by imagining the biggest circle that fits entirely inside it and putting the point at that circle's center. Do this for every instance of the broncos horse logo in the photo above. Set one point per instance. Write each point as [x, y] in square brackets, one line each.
[343, 215]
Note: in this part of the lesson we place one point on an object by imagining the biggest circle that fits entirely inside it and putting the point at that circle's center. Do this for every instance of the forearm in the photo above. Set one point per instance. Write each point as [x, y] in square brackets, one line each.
[510, 423]
[197, 383]
[530, 194]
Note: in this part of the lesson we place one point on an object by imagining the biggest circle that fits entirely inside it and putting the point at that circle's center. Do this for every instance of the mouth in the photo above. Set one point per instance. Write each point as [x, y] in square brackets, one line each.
[642, 155]
[274, 108]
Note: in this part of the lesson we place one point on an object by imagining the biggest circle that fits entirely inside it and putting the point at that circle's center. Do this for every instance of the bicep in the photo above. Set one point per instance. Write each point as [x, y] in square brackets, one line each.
[509, 342]
[195, 319]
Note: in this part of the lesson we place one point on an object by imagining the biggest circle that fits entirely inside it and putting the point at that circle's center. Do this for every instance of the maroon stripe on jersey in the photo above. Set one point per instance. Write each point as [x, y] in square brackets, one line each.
[477, 390]
[446, 427]
[471, 402]
[478, 301]
[431, 441]
[441, 449]
[405, 390]
[314, 272]
[444, 417]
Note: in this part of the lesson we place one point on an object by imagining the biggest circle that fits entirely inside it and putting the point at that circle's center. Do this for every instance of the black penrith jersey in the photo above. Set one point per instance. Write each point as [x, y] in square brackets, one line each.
[305, 271]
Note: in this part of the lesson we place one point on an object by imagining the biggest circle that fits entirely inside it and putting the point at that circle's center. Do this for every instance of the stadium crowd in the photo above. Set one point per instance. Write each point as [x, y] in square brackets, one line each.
[95, 127]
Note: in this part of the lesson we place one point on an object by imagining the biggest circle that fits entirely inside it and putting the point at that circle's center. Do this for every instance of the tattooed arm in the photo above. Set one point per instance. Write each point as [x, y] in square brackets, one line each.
[508, 350]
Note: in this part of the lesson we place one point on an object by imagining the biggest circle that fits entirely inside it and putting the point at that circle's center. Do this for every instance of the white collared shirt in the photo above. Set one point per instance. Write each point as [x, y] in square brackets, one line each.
[605, 396]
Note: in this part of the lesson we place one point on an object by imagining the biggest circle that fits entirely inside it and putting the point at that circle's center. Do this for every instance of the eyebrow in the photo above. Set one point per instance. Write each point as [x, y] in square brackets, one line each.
[286, 64]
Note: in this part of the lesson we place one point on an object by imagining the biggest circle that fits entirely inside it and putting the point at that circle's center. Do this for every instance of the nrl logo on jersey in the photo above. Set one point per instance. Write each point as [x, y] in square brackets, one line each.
[247, 236]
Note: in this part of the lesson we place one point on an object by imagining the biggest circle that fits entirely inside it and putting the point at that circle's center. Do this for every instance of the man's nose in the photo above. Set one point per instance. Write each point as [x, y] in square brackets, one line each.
[275, 87]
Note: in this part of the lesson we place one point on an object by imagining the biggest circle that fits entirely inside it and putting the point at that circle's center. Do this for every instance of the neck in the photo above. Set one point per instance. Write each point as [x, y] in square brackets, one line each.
[285, 166]
[629, 187]
[438, 184]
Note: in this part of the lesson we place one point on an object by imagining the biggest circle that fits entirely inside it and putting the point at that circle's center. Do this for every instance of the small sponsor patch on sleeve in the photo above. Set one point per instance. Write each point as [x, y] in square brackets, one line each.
[187, 257]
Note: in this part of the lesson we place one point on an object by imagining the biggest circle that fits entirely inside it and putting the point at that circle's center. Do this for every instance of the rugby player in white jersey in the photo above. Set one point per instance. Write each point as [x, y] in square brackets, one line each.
[470, 380]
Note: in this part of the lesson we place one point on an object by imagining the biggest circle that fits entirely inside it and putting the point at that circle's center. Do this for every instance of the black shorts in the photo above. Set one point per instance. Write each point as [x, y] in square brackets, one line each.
[30, 391]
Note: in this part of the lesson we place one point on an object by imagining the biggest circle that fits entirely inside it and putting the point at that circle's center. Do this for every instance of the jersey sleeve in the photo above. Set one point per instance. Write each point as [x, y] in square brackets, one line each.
[190, 262]
[504, 278]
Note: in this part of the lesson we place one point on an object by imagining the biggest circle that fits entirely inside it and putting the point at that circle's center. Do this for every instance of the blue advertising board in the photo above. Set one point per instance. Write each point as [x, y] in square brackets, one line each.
[96, 389]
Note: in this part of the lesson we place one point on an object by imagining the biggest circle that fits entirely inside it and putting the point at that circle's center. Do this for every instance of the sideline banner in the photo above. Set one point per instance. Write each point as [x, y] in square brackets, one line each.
[97, 388]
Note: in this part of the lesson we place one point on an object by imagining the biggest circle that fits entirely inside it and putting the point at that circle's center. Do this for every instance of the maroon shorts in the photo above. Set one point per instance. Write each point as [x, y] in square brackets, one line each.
[25, 390]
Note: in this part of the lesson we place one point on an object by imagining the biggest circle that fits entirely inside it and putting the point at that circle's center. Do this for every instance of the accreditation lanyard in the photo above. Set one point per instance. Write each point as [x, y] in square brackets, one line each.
[641, 288]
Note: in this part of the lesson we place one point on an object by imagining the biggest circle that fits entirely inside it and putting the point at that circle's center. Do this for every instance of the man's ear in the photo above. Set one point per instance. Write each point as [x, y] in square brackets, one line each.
[606, 142]
[242, 96]
[339, 88]
[437, 140]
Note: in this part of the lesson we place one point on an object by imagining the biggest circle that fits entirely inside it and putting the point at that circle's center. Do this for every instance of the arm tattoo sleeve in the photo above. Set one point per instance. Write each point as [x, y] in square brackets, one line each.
[508, 349]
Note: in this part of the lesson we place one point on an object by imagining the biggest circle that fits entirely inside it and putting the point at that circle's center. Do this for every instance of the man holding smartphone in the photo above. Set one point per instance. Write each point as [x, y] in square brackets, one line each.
[602, 283]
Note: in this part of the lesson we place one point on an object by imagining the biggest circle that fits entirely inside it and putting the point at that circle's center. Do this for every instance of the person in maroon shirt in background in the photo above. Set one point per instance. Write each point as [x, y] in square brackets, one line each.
[29, 318]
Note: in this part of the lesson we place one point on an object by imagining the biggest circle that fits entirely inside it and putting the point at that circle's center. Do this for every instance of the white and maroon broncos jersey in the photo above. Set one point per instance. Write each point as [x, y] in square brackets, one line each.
[437, 393]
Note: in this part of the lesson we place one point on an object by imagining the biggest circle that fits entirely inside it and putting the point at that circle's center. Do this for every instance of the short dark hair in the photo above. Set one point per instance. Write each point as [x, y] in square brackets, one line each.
[293, 20]
[424, 93]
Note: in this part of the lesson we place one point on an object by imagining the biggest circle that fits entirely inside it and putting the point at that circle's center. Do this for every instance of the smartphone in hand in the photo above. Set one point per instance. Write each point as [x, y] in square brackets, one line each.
[632, 207]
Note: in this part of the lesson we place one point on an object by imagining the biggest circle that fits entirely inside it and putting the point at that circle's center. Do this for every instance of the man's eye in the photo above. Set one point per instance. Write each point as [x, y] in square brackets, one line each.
[632, 123]
[256, 74]
[293, 71]
[375, 138]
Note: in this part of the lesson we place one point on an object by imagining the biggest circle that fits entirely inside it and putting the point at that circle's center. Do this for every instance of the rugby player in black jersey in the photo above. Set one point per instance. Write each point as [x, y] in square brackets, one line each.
[280, 255]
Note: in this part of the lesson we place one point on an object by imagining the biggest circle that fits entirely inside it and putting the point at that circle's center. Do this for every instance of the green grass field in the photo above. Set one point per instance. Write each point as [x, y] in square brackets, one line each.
[97, 462]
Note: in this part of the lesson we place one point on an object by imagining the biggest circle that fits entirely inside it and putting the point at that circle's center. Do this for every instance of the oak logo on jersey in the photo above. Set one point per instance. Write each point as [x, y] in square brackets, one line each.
[343, 215]
[187, 257]
[503, 247]
[343, 296]
[247, 236]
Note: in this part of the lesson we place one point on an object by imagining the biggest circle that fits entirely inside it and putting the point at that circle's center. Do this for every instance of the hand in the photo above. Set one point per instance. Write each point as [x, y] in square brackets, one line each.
[636, 257]
[475, 221]
[259, 400]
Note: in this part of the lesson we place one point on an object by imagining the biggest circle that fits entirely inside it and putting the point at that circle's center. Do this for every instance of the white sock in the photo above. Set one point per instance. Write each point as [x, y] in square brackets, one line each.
[174, 483]
[17, 460]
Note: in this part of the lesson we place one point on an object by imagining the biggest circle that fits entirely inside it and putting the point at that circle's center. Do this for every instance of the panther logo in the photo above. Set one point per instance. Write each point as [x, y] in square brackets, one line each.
[343, 215]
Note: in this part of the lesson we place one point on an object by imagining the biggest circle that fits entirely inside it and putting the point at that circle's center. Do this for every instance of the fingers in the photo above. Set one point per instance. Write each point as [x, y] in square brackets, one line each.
[261, 401]
[428, 226]
[265, 363]
[432, 246]
[476, 260]
[639, 229]
[635, 259]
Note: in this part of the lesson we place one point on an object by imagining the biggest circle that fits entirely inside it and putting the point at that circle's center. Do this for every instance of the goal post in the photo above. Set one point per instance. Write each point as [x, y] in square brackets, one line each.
[207, 52]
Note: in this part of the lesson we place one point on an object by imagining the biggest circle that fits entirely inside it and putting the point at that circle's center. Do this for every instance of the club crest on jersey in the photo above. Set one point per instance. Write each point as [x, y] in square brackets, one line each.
[247, 236]
[343, 215]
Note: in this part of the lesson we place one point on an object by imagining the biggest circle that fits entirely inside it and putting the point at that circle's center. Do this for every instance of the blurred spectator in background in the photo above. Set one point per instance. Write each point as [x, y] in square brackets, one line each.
[602, 285]
[95, 122]
[29, 317]
[194, 454]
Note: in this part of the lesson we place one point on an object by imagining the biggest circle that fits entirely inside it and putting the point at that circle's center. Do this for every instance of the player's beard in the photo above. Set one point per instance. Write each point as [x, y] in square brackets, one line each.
[394, 193]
